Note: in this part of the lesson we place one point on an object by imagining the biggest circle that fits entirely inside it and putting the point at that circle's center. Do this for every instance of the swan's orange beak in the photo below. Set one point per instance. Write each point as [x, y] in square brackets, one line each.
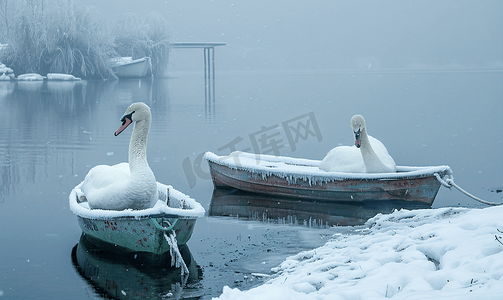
[126, 121]
[358, 141]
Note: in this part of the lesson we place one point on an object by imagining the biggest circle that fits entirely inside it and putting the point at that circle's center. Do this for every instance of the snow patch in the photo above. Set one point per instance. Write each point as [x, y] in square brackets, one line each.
[445, 253]
[30, 77]
[62, 77]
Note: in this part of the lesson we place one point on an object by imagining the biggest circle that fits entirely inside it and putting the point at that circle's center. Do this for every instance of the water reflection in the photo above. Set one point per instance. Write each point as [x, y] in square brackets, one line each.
[46, 123]
[51, 137]
[6, 88]
[263, 208]
[134, 276]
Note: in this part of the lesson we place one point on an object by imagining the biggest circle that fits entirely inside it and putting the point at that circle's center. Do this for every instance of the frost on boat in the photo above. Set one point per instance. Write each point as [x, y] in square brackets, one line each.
[301, 178]
[174, 216]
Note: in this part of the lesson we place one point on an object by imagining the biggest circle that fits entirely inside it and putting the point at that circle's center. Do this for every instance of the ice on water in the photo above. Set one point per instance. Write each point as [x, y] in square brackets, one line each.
[444, 253]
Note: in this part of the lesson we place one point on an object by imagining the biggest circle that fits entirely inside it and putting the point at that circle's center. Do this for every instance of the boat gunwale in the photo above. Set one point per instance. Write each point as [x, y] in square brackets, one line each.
[156, 243]
[152, 220]
[140, 218]
[161, 210]
[403, 172]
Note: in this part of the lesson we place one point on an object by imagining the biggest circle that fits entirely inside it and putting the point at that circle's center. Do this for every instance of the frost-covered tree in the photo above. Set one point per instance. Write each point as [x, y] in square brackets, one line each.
[56, 36]
[138, 37]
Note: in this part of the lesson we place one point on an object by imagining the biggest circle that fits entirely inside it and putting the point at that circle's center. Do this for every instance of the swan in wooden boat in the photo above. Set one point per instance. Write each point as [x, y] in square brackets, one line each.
[368, 155]
[126, 185]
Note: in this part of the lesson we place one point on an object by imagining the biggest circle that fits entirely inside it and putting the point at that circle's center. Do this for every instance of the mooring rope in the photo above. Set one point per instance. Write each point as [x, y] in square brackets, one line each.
[176, 257]
[449, 182]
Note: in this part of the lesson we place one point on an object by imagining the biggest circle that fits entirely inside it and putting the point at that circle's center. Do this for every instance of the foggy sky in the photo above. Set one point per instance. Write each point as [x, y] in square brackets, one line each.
[328, 35]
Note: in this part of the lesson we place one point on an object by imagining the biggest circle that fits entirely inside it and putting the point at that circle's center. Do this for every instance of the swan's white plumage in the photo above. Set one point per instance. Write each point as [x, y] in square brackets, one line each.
[349, 159]
[126, 185]
[371, 157]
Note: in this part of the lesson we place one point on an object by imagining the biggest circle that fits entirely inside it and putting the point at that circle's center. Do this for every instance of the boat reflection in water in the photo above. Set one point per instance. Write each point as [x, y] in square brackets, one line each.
[263, 208]
[135, 276]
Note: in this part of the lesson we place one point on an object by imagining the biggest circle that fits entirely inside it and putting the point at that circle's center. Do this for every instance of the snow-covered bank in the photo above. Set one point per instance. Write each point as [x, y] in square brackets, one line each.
[6, 74]
[445, 253]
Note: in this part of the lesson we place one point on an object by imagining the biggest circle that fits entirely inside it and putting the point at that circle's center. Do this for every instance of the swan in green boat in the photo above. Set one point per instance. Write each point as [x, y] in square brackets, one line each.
[126, 185]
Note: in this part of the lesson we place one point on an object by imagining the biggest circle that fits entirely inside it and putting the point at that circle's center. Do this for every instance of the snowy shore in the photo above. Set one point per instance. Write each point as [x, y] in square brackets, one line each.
[444, 253]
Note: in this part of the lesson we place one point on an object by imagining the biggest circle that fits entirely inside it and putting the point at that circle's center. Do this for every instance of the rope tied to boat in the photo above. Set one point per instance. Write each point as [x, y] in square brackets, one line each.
[176, 256]
[449, 183]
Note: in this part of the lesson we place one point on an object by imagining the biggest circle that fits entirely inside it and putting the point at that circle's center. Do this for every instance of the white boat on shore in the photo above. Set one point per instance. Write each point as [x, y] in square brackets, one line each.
[127, 67]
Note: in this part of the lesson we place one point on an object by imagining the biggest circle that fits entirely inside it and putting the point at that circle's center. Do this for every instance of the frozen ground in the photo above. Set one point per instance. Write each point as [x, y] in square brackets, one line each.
[444, 253]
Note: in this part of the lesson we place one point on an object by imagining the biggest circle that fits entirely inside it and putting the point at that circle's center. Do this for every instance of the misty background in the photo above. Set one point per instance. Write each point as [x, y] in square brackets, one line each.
[425, 74]
[329, 35]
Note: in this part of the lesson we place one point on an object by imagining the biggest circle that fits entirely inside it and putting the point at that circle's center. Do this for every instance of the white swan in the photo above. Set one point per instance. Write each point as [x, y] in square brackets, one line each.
[368, 155]
[125, 185]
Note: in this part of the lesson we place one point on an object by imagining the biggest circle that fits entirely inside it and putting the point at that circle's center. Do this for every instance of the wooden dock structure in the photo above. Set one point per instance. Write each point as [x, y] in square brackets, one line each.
[209, 66]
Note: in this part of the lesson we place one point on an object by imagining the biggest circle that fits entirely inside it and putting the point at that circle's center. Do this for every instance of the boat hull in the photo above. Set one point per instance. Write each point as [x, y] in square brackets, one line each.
[137, 68]
[133, 235]
[408, 187]
[155, 230]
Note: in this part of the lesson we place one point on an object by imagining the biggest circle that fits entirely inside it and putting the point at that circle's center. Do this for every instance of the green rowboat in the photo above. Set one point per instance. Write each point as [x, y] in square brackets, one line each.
[156, 230]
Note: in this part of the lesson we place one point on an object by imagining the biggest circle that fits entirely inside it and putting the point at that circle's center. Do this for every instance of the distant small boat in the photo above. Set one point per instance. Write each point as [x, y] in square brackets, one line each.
[302, 179]
[155, 230]
[126, 67]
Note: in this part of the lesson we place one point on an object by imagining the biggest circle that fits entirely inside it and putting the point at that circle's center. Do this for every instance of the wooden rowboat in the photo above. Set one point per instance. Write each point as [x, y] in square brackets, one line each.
[301, 178]
[156, 230]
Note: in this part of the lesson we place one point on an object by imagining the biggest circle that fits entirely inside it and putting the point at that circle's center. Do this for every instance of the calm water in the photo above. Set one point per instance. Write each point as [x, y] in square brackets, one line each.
[51, 134]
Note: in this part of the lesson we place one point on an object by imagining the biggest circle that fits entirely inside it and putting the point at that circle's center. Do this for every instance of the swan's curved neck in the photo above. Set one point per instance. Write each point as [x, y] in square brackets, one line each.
[370, 158]
[138, 144]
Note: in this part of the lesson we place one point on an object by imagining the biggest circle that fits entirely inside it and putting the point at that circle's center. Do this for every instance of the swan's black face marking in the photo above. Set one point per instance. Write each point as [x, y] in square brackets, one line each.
[358, 141]
[126, 121]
